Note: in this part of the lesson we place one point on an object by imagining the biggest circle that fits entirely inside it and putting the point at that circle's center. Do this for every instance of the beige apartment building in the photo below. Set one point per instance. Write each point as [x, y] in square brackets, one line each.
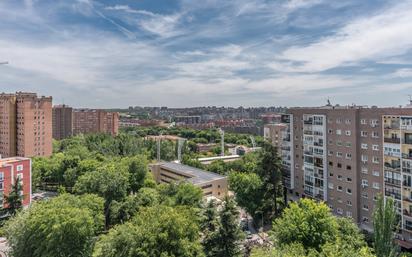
[346, 156]
[25, 125]
[87, 121]
[212, 184]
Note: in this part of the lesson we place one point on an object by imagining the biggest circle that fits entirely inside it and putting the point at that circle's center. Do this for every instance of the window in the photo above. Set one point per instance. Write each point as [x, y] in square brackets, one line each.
[349, 214]
[348, 167]
[339, 177]
[375, 159]
[330, 153]
[348, 156]
[365, 220]
[339, 165]
[348, 179]
[20, 167]
[364, 170]
[348, 144]
[338, 132]
[375, 147]
[365, 195]
[349, 191]
[330, 185]
[364, 146]
[365, 207]
[330, 163]
[349, 203]
[347, 121]
[338, 121]
[375, 134]
[374, 123]
[1, 176]
[364, 158]
[348, 132]
[364, 133]
[330, 131]
[339, 188]
[339, 143]
[339, 154]
[339, 211]
[364, 183]
[375, 173]
[376, 185]
[363, 121]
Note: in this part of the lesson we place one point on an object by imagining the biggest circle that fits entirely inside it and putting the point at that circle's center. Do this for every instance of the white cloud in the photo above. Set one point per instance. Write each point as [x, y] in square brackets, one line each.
[403, 73]
[296, 4]
[127, 8]
[162, 25]
[372, 38]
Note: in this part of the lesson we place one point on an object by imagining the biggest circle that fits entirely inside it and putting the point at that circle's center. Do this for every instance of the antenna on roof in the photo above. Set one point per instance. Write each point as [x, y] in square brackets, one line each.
[328, 102]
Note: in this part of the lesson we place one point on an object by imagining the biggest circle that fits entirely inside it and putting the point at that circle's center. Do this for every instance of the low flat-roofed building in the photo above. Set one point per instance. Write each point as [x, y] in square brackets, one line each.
[212, 184]
[10, 169]
[226, 158]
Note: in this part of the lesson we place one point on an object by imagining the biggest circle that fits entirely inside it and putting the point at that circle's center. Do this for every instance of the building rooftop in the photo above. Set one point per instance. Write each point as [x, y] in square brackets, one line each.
[197, 176]
[214, 158]
[5, 161]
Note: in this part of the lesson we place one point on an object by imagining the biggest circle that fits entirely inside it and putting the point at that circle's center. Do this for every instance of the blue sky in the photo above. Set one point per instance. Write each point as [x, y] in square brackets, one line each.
[179, 53]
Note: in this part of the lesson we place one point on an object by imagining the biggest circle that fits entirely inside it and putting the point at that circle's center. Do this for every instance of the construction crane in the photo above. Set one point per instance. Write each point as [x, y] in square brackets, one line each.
[222, 141]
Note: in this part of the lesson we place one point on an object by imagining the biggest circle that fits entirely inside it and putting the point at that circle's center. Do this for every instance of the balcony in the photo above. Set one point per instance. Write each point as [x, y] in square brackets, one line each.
[407, 199]
[308, 122]
[407, 156]
[392, 140]
[392, 167]
[318, 144]
[392, 154]
[406, 213]
[396, 196]
[308, 132]
[406, 127]
[393, 182]
[394, 125]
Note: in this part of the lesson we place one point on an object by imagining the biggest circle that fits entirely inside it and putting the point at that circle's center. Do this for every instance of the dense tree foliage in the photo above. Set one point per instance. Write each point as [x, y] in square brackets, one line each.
[384, 224]
[14, 200]
[64, 226]
[259, 189]
[228, 235]
[312, 226]
[155, 231]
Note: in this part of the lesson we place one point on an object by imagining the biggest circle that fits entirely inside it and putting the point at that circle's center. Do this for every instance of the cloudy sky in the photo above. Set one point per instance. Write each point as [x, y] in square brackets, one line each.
[107, 53]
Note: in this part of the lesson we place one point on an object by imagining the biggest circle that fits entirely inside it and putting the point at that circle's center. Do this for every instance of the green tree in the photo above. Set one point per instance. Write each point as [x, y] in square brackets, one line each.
[156, 231]
[209, 226]
[248, 188]
[182, 193]
[306, 222]
[228, 234]
[384, 225]
[270, 172]
[14, 200]
[137, 172]
[108, 182]
[65, 226]
[123, 211]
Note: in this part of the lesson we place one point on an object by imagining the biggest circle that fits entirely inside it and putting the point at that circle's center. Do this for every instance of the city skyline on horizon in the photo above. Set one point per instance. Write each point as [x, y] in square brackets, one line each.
[259, 53]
